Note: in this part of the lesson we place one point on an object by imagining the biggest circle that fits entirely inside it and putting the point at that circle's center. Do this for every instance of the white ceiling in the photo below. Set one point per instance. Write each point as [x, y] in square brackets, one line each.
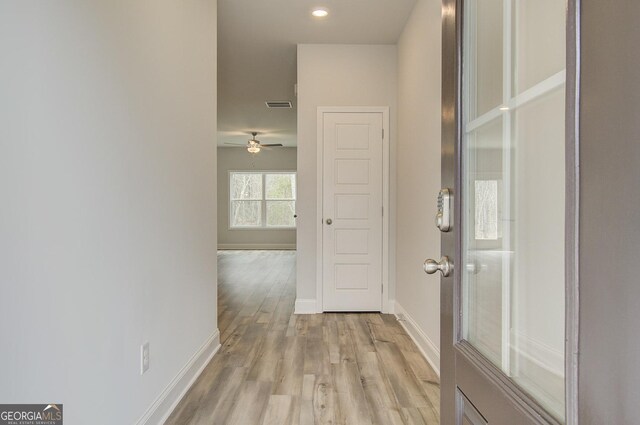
[257, 55]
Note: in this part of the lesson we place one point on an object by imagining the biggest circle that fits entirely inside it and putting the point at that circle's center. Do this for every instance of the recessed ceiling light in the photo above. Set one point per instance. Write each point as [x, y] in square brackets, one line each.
[320, 12]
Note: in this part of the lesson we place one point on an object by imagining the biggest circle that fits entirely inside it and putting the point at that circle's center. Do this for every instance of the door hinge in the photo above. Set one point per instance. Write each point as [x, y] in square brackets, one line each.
[383, 134]
[382, 289]
[382, 208]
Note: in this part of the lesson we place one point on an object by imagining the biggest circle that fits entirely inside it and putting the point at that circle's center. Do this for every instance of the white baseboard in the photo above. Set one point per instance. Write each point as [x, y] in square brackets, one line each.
[428, 349]
[305, 307]
[391, 307]
[257, 246]
[162, 407]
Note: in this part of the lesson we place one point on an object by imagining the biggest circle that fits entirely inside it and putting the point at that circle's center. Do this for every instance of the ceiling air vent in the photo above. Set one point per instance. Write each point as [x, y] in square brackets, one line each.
[279, 104]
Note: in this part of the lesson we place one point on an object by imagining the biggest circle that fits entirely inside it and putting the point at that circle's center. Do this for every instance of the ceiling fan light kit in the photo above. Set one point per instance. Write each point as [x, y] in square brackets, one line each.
[253, 145]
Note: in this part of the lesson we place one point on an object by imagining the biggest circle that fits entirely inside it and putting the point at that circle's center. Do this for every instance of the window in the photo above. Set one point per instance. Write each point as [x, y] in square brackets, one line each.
[486, 201]
[262, 200]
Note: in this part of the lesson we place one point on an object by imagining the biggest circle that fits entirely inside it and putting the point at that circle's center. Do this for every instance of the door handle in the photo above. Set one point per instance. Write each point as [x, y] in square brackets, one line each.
[329, 221]
[445, 266]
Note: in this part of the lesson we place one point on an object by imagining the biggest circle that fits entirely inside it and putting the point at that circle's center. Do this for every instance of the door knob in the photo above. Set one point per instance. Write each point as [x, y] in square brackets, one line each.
[445, 266]
[329, 221]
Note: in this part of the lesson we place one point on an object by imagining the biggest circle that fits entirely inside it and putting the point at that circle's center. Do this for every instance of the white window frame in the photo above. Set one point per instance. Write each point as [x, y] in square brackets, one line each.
[263, 200]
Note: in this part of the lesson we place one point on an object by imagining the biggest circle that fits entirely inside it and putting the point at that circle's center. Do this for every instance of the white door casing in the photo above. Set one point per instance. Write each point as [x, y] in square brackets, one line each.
[353, 172]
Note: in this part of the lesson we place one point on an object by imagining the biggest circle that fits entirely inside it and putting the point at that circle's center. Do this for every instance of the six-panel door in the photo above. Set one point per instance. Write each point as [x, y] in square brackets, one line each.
[352, 211]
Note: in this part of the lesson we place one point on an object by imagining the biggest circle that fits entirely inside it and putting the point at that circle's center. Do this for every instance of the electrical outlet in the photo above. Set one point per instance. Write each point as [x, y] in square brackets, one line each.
[144, 358]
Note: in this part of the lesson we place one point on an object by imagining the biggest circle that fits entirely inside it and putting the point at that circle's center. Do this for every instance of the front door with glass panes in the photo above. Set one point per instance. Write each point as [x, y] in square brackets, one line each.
[508, 242]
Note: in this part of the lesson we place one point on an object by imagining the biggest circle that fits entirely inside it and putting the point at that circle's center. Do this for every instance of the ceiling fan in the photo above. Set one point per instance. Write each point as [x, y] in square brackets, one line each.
[253, 145]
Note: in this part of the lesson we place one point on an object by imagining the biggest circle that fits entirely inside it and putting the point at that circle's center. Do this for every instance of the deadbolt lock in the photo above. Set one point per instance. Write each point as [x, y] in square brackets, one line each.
[444, 213]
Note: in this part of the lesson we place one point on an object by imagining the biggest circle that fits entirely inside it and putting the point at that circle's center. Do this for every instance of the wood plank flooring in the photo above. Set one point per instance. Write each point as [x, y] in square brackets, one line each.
[277, 368]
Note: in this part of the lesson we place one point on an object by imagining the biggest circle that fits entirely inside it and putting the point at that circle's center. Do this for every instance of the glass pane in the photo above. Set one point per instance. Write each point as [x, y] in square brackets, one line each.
[246, 213]
[484, 56]
[246, 186]
[485, 255]
[280, 186]
[537, 342]
[280, 213]
[539, 48]
[513, 195]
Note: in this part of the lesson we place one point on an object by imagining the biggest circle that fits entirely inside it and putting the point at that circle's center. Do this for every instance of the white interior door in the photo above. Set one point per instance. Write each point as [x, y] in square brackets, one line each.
[352, 223]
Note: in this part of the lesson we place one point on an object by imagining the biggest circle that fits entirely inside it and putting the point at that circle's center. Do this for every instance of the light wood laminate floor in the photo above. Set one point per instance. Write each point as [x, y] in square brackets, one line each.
[278, 368]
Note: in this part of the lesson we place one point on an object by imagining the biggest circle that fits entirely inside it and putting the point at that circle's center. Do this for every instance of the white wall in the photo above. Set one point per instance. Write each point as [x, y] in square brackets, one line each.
[234, 159]
[108, 211]
[419, 100]
[335, 75]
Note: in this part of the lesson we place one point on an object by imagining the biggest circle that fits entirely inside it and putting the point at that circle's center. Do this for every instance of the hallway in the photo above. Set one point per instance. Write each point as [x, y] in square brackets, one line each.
[278, 368]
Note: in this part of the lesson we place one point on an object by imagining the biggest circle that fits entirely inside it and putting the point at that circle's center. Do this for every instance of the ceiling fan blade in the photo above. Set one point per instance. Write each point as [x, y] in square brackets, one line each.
[272, 145]
[235, 144]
